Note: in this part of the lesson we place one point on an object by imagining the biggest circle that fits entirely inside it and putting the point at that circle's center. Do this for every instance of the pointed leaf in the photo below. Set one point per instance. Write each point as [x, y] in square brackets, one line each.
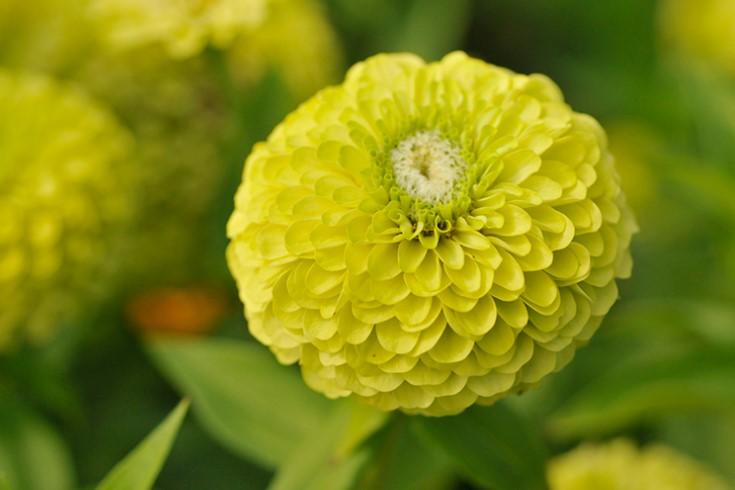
[243, 397]
[405, 461]
[328, 459]
[140, 468]
[648, 388]
[493, 446]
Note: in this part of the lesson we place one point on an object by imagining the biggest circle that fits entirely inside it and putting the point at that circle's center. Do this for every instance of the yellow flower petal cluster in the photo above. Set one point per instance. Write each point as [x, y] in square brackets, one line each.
[65, 200]
[701, 29]
[430, 236]
[620, 465]
[184, 27]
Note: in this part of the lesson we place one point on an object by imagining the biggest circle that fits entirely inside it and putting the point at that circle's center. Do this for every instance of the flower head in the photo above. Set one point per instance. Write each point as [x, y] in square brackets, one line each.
[65, 199]
[184, 27]
[620, 465]
[701, 29]
[429, 236]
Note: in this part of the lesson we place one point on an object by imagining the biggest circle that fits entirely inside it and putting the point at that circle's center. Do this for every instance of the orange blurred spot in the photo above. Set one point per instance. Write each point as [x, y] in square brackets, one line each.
[187, 311]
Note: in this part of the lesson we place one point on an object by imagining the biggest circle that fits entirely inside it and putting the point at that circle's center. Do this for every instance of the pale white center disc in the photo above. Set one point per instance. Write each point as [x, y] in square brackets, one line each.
[427, 166]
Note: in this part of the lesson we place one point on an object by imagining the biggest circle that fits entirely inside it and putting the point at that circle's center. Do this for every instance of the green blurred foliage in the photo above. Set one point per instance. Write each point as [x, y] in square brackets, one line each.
[140, 468]
[27, 444]
[662, 368]
[494, 447]
[238, 410]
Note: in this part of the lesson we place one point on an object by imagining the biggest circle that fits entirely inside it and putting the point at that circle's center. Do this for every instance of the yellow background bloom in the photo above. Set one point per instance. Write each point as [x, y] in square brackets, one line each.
[428, 236]
[702, 29]
[297, 41]
[620, 465]
[293, 37]
[65, 201]
[184, 27]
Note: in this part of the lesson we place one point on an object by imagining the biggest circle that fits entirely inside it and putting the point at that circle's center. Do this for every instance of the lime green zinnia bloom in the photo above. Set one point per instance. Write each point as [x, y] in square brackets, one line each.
[64, 204]
[701, 29]
[184, 27]
[620, 465]
[429, 236]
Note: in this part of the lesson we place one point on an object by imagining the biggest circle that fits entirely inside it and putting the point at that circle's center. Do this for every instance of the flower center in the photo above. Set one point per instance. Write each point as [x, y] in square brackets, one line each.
[427, 166]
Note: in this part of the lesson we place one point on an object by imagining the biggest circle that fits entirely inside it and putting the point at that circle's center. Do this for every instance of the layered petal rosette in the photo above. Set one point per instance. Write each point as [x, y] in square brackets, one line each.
[429, 236]
[620, 465]
[66, 200]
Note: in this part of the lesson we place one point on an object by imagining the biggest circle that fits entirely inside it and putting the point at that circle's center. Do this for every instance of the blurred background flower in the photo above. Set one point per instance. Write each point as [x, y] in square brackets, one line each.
[700, 29]
[183, 28]
[619, 464]
[67, 203]
[296, 40]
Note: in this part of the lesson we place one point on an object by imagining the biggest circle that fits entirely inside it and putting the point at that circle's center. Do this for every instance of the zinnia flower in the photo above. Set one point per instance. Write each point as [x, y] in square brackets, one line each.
[701, 29]
[429, 236]
[620, 465]
[65, 200]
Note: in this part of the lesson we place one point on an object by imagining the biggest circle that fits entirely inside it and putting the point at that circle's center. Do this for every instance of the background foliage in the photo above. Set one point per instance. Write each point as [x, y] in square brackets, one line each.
[662, 368]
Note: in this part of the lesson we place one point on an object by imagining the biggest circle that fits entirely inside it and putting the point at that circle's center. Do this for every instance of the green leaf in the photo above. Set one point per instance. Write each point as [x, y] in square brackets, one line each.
[243, 397]
[140, 468]
[704, 321]
[711, 98]
[647, 388]
[708, 186]
[32, 456]
[404, 461]
[710, 439]
[328, 459]
[493, 446]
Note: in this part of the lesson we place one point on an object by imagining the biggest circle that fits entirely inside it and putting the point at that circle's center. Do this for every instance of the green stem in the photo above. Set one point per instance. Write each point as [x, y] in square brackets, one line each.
[386, 452]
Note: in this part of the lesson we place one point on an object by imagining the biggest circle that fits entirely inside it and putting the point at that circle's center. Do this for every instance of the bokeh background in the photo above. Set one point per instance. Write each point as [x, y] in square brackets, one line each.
[93, 356]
